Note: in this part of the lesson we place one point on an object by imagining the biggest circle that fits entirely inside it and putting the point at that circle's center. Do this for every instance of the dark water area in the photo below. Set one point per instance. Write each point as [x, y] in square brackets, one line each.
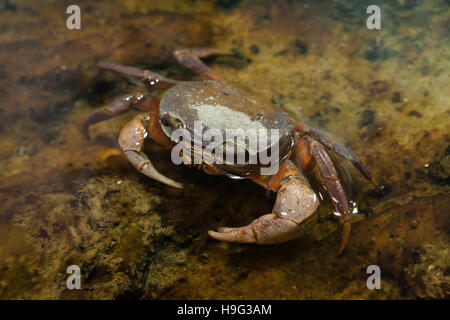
[68, 201]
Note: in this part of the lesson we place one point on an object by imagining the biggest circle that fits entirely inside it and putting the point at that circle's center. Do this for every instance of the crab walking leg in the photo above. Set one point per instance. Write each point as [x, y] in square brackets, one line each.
[143, 101]
[131, 140]
[190, 58]
[150, 79]
[338, 149]
[308, 149]
[295, 203]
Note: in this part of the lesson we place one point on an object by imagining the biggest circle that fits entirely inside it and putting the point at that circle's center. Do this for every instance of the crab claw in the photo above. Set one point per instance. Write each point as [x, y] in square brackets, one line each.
[267, 229]
[131, 140]
[295, 204]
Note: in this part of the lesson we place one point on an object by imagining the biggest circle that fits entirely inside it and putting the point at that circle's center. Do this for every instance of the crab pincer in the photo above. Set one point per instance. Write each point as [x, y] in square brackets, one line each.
[294, 207]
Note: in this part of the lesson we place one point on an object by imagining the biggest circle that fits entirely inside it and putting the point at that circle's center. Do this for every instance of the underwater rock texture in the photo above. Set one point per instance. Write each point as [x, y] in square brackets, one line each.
[67, 201]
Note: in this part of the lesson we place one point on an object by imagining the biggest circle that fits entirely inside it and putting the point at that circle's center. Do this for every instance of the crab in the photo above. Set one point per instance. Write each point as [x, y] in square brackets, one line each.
[167, 105]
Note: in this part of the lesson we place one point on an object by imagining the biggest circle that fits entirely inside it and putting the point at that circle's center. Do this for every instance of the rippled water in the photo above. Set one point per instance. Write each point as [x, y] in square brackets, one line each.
[67, 201]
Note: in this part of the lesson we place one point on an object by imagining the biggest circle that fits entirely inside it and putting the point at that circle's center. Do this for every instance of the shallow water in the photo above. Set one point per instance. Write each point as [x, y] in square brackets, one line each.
[68, 201]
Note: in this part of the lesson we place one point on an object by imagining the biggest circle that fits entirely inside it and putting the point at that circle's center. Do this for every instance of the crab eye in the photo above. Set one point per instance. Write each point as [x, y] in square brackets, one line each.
[179, 124]
[165, 120]
[171, 122]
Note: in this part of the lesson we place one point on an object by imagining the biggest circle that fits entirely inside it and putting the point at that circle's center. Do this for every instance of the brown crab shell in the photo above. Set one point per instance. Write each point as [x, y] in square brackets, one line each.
[221, 107]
